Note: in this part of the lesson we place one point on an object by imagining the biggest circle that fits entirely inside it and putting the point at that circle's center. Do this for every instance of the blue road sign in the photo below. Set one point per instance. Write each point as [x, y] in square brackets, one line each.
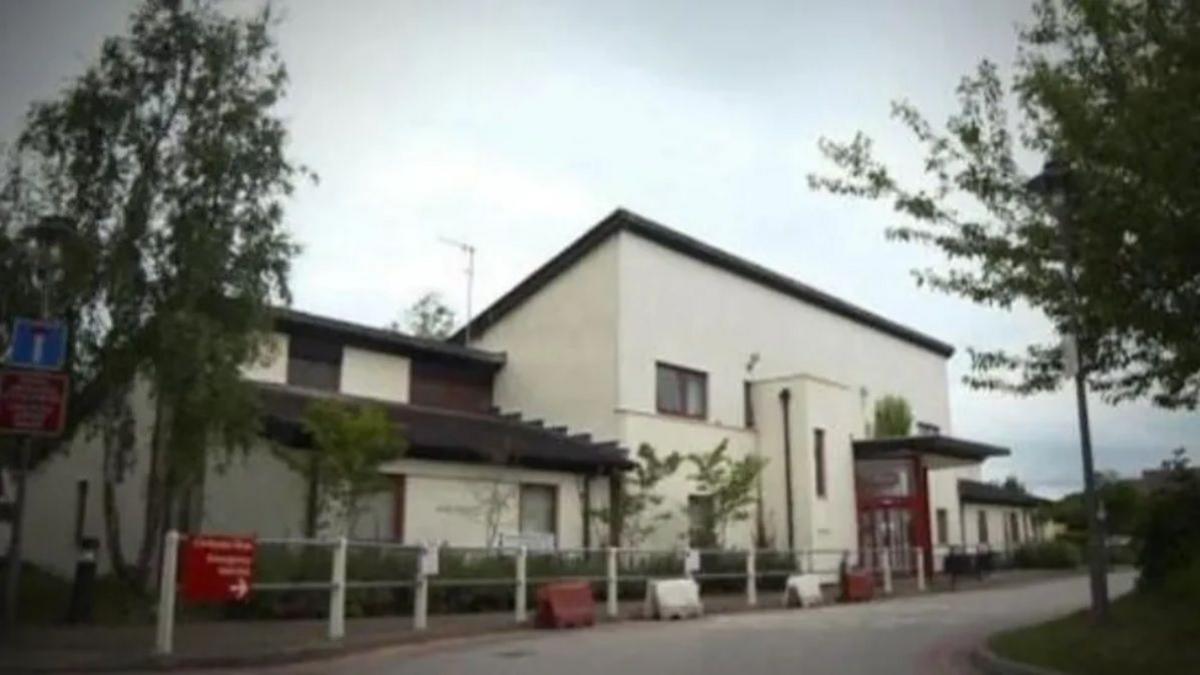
[38, 344]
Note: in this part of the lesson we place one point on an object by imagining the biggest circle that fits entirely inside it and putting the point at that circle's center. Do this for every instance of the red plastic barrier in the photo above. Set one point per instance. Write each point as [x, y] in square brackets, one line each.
[857, 585]
[566, 605]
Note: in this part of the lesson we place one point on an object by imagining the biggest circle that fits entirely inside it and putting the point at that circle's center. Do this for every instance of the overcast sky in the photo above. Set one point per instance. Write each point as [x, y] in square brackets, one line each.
[517, 125]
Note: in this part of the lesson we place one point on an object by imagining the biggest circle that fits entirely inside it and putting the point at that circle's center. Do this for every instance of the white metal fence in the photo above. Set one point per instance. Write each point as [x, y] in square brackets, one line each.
[338, 566]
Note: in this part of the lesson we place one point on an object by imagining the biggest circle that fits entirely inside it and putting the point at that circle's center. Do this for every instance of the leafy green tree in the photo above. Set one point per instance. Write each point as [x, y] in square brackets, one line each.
[640, 512]
[349, 445]
[1013, 484]
[1109, 90]
[429, 317]
[728, 485]
[168, 159]
[893, 417]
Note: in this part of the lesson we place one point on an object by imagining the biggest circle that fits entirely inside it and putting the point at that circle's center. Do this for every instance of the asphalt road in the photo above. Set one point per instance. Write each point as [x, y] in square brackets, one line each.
[929, 634]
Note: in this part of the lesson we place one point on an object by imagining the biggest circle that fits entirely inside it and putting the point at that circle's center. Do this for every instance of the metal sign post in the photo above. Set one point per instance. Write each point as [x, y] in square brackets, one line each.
[32, 403]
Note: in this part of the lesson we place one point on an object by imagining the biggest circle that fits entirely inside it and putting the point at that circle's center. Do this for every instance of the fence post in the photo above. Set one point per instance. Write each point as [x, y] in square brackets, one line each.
[337, 591]
[522, 554]
[421, 591]
[164, 637]
[751, 579]
[885, 562]
[613, 609]
[920, 569]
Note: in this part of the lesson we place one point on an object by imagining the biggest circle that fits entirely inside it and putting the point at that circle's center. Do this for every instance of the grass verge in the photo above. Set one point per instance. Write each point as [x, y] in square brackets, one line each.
[1144, 634]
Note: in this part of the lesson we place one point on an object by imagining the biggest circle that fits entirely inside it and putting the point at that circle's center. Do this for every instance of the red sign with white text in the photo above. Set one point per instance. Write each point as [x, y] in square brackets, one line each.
[217, 568]
[32, 402]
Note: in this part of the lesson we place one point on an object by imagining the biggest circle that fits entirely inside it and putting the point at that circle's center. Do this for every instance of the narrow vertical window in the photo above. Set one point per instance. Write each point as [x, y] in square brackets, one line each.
[819, 460]
[538, 511]
[943, 527]
[983, 527]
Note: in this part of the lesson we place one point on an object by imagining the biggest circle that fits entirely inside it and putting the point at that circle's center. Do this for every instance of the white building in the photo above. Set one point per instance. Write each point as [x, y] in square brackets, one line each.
[643, 334]
[999, 518]
[634, 334]
[471, 476]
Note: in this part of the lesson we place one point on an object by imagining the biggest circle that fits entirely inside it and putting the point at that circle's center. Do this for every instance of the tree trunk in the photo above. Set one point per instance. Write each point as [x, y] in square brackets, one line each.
[112, 531]
[156, 497]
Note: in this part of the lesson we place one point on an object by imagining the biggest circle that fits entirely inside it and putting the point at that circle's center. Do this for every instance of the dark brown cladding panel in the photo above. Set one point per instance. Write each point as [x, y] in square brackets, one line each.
[444, 385]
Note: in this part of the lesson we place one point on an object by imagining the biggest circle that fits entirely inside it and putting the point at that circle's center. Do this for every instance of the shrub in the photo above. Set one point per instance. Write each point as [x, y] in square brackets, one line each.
[1047, 555]
[1183, 585]
[1170, 532]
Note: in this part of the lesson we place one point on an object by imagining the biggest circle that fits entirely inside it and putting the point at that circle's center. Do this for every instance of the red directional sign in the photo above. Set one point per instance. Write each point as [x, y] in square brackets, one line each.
[217, 568]
[32, 402]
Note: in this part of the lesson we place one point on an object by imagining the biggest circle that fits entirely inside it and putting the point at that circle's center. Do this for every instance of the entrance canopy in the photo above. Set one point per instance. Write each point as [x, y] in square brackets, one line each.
[935, 451]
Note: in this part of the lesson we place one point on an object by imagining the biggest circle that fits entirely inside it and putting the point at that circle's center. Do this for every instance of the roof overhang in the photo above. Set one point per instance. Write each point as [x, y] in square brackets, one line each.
[443, 434]
[295, 322]
[976, 492]
[936, 451]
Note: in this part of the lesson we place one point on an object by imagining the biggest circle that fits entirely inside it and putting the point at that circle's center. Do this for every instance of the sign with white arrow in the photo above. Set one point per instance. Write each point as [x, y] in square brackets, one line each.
[218, 568]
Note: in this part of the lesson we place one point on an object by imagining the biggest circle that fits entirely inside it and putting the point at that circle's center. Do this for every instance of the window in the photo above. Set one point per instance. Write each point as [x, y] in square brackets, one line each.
[927, 429]
[749, 405]
[1015, 526]
[682, 391]
[943, 527]
[983, 527]
[819, 460]
[701, 526]
[314, 363]
[538, 509]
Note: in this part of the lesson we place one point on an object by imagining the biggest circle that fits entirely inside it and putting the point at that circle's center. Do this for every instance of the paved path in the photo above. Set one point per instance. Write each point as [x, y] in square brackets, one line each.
[927, 635]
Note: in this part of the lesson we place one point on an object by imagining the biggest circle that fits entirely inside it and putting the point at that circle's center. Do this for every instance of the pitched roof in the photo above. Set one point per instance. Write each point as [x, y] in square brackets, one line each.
[445, 434]
[296, 322]
[990, 493]
[622, 220]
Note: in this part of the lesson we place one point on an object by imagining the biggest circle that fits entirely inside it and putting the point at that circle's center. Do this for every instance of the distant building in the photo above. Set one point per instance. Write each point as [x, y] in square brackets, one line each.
[1001, 518]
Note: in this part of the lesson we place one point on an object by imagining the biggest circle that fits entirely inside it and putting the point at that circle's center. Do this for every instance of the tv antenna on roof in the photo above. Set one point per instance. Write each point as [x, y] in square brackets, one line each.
[470, 251]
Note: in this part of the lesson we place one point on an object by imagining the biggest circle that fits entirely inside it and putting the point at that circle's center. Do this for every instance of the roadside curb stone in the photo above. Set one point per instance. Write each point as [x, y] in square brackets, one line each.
[983, 658]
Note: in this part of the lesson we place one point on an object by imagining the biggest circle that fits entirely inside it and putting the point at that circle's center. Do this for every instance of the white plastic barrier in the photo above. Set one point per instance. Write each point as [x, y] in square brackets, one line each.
[803, 590]
[673, 599]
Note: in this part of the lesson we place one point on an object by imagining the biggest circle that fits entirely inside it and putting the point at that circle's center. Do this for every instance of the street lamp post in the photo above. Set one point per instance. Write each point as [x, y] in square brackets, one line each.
[1054, 185]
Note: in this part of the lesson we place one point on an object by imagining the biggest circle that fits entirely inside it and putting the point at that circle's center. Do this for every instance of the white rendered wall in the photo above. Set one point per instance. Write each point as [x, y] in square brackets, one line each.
[446, 502]
[561, 349]
[375, 375]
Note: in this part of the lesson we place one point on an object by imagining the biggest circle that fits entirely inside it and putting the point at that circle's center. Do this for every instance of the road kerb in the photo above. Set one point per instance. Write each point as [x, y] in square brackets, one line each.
[991, 663]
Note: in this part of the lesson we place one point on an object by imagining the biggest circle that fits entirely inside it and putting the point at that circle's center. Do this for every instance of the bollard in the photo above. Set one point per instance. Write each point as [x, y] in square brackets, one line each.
[920, 569]
[425, 566]
[886, 562]
[164, 637]
[613, 609]
[337, 590]
[751, 579]
[519, 601]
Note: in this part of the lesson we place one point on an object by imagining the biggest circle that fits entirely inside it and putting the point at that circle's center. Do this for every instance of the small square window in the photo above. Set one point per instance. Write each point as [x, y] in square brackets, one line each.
[680, 391]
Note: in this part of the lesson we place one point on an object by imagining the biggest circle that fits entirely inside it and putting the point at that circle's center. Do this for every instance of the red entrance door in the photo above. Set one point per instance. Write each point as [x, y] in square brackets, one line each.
[893, 511]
